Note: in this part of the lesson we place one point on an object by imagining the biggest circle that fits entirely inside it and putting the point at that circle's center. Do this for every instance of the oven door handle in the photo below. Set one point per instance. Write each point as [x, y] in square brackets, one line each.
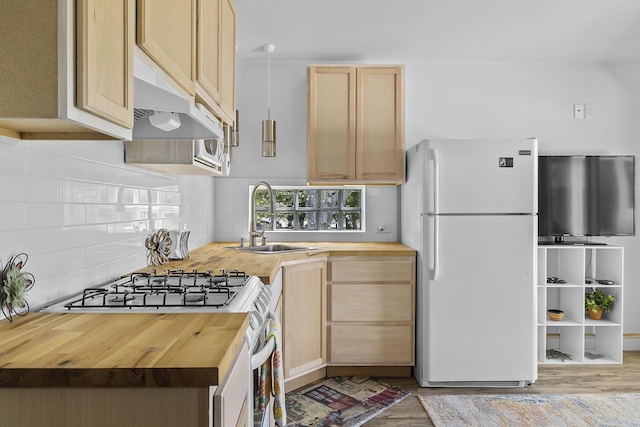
[265, 352]
[261, 356]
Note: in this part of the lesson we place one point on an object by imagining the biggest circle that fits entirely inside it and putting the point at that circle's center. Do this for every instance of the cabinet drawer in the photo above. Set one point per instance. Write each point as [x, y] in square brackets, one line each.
[378, 270]
[371, 345]
[370, 303]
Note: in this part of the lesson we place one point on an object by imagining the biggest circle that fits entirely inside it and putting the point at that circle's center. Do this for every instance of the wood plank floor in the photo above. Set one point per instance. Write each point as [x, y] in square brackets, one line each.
[569, 379]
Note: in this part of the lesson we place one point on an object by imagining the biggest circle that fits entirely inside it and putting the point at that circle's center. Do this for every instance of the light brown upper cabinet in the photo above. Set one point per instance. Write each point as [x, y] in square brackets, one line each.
[63, 82]
[216, 57]
[105, 59]
[355, 125]
[228, 58]
[208, 49]
[166, 31]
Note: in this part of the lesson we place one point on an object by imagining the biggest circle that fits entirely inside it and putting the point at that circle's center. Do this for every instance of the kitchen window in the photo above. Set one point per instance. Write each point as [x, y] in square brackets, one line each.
[311, 209]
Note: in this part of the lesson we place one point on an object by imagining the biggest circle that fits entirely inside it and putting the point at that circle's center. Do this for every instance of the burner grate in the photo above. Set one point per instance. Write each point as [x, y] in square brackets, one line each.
[174, 289]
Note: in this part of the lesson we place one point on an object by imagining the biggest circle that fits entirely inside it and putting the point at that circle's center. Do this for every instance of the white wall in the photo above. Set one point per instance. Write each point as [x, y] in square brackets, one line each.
[449, 100]
[59, 200]
[289, 110]
[82, 215]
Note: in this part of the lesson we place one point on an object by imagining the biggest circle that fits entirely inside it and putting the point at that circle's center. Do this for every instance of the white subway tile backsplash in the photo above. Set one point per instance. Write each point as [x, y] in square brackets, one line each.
[43, 291]
[113, 251]
[82, 236]
[101, 214]
[58, 261]
[82, 215]
[12, 216]
[41, 163]
[44, 215]
[104, 173]
[12, 159]
[29, 240]
[128, 264]
[40, 189]
[13, 187]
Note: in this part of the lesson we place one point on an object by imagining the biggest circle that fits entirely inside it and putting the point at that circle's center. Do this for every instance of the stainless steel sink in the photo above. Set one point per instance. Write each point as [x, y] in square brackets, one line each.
[271, 248]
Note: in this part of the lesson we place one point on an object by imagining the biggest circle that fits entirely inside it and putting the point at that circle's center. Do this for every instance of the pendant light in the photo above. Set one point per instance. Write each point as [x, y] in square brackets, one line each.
[235, 131]
[269, 126]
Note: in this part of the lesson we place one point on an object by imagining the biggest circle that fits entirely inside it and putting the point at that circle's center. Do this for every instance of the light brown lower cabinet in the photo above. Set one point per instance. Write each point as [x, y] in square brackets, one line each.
[217, 406]
[371, 314]
[371, 345]
[303, 317]
[230, 399]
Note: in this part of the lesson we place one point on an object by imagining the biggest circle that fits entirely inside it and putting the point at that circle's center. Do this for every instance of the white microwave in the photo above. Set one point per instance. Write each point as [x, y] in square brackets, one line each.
[210, 152]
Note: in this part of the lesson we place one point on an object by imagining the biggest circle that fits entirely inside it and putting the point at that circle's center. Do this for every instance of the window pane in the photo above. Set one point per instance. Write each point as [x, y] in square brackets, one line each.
[329, 220]
[351, 198]
[352, 221]
[307, 199]
[262, 198]
[263, 221]
[284, 220]
[307, 220]
[329, 198]
[284, 199]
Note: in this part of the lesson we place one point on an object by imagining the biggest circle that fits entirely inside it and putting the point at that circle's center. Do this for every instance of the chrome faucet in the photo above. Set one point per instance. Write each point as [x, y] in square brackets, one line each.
[252, 213]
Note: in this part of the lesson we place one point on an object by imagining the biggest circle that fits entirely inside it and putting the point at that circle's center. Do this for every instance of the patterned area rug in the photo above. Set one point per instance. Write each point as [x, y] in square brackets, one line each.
[341, 402]
[573, 410]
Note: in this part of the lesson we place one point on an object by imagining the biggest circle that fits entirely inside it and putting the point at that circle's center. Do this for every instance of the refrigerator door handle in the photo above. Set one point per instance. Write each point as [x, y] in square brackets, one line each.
[436, 211]
[436, 244]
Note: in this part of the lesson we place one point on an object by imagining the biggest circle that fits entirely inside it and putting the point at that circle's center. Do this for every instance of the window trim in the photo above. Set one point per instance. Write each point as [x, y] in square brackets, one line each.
[362, 210]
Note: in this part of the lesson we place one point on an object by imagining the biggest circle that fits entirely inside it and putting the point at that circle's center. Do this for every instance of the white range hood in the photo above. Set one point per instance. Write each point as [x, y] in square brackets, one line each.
[153, 95]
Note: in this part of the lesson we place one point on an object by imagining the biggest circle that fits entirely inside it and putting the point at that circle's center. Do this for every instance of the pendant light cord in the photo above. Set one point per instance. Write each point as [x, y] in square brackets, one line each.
[269, 85]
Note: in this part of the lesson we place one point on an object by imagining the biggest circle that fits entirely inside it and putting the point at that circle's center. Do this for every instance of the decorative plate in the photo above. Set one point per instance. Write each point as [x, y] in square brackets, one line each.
[158, 247]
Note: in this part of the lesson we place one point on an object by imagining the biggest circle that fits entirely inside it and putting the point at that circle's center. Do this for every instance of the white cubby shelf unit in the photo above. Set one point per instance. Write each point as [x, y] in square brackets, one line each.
[583, 339]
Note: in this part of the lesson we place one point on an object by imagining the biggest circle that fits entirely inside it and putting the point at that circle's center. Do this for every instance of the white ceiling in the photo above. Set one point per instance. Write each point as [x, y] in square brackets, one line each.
[402, 31]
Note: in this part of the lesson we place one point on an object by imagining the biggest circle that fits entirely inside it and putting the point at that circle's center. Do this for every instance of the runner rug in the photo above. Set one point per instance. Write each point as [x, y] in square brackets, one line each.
[604, 409]
[341, 402]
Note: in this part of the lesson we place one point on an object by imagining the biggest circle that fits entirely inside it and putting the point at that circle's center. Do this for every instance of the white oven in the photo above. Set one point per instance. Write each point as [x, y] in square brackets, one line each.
[178, 290]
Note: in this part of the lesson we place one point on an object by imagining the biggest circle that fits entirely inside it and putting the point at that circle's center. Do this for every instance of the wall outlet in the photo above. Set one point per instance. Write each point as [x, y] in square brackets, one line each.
[578, 111]
[383, 228]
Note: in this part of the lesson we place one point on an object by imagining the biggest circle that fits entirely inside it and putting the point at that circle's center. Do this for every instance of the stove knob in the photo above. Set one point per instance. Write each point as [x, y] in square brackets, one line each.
[260, 306]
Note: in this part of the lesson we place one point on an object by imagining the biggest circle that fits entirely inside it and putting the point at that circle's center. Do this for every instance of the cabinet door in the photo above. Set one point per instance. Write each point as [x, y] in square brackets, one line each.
[230, 399]
[303, 317]
[166, 32]
[228, 58]
[208, 47]
[105, 40]
[331, 139]
[380, 129]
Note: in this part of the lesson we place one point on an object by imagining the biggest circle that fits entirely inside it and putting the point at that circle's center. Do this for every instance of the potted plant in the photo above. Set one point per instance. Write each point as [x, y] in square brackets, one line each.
[597, 302]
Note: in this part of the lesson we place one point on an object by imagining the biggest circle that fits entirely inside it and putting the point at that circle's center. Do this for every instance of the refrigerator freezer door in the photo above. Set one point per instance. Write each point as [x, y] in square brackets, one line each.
[482, 176]
[480, 312]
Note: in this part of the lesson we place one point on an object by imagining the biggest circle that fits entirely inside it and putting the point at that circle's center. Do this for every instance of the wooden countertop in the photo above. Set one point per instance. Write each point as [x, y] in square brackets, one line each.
[119, 350]
[217, 256]
[148, 350]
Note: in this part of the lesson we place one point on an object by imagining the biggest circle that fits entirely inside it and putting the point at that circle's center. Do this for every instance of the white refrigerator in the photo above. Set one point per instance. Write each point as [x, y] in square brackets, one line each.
[469, 208]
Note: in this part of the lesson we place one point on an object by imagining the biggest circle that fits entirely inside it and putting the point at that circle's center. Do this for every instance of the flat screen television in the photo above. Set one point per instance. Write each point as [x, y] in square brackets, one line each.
[586, 196]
